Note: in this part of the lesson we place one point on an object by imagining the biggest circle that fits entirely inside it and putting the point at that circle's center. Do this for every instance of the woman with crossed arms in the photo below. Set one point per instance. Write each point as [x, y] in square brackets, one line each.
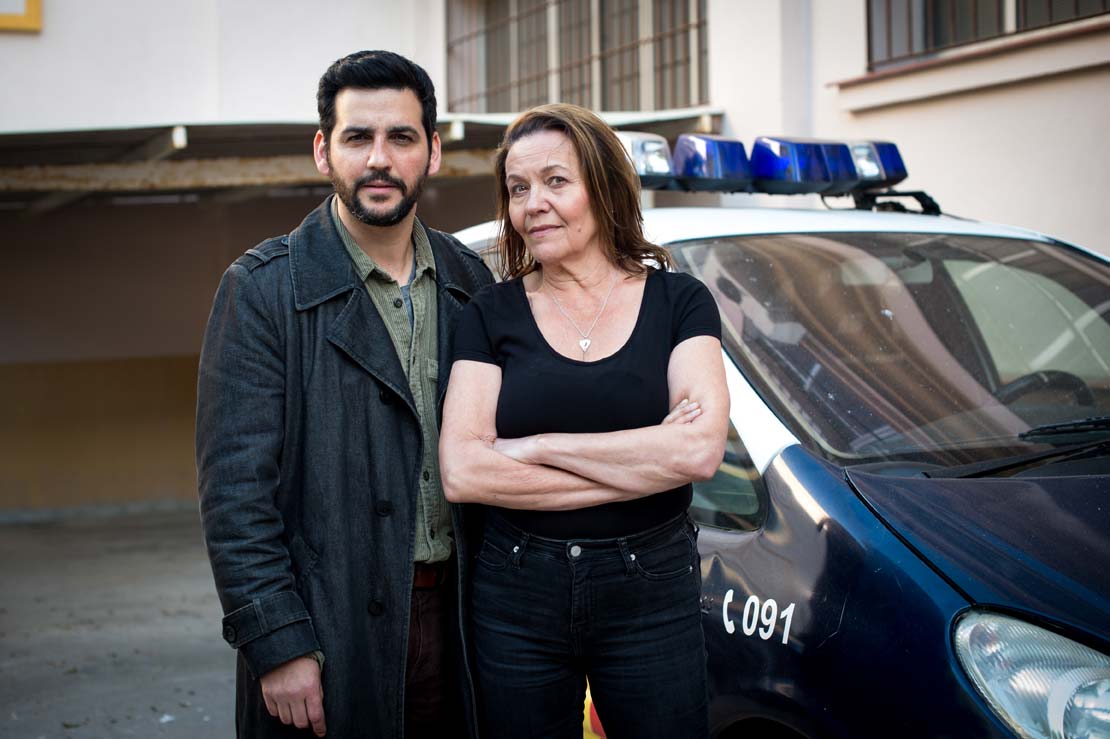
[556, 422]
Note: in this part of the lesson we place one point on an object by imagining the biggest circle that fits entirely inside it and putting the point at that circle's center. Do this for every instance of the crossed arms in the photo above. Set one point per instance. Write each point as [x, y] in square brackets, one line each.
[555, 472]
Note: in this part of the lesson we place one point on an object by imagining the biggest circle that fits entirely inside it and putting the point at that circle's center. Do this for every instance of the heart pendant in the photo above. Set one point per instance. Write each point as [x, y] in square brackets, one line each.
[585, 344]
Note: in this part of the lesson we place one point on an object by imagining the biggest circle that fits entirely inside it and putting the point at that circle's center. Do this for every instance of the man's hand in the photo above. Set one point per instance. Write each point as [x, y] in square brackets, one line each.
[293, 693]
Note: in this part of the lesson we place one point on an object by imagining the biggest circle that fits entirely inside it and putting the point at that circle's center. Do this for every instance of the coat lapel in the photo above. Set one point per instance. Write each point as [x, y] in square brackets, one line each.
[360, 332]
[321, 269]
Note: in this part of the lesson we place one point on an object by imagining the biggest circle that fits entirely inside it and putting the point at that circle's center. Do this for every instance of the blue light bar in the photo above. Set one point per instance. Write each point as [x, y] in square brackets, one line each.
[704, 162]
[785, 166]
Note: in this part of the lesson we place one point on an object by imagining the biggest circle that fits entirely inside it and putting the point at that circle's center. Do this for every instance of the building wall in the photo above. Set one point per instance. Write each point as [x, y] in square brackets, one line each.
[1014, 136]
[133, 63]
[102, 320]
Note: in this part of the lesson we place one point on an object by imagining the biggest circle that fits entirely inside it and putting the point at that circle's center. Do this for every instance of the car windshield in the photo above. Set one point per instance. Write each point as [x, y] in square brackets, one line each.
[894, 346]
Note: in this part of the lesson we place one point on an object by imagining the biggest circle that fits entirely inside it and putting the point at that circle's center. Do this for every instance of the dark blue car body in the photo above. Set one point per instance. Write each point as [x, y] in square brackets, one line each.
[878, 578]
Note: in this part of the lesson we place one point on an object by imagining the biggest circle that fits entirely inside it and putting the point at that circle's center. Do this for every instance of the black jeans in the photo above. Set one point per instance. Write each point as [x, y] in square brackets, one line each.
[623, 612]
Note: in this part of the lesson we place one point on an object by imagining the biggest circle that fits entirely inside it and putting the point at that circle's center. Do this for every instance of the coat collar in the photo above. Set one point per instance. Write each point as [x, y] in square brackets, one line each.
[321, 268]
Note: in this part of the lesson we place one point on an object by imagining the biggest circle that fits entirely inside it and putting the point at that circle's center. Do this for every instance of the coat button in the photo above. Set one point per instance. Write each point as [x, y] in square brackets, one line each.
[385, 397]
[427, 475]
[397, 302]
[375, 608]
[383, 508]
[229, 633]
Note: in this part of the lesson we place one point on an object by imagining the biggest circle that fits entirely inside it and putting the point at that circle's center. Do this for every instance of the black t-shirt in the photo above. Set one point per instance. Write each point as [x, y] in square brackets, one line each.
[544, 392]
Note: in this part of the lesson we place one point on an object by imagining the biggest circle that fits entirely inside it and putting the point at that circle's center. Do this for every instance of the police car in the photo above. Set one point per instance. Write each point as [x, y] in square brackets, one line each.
[910, 532]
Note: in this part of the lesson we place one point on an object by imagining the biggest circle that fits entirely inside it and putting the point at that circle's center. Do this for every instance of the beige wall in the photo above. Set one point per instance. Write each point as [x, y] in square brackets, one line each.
[156, 62]
[93, 432]
[1014, 136]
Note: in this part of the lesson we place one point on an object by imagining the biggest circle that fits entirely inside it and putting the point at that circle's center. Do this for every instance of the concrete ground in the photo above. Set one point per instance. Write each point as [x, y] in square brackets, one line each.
[110, 627]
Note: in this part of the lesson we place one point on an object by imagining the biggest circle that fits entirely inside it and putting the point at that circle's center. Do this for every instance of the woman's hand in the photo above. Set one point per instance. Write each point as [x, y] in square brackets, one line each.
[685, 411]
[519, 449]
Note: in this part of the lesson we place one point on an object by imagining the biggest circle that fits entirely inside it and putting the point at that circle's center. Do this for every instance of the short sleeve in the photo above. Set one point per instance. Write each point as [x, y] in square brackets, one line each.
[472, 339]
[695, 311]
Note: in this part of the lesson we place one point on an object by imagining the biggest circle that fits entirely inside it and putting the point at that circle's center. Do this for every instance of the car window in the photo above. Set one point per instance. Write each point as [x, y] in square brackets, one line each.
[887, 346]
[1050, 327]
[734, 497]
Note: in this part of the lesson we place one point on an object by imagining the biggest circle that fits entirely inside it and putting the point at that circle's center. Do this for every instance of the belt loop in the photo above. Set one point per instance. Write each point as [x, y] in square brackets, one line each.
[628, 557]
[518, 550]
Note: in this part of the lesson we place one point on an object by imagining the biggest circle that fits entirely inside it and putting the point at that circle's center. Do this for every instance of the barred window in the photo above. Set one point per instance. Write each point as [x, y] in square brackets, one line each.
[574, 52]
[1037, 13]
[904, 30]
[508, 55]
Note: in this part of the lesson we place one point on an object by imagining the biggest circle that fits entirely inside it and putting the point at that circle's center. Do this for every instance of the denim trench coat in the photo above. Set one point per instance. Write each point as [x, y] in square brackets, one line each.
[308, 456]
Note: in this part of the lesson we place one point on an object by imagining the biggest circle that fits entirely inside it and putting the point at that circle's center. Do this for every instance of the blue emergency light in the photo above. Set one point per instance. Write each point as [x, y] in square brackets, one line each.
[711, 163]
[790, 166]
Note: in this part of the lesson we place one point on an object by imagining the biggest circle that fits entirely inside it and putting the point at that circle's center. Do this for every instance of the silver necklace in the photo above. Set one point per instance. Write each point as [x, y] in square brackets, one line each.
[585, 342]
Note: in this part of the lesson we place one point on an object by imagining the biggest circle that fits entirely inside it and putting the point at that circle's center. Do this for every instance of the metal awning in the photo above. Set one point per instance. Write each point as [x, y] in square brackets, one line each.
[40, 171]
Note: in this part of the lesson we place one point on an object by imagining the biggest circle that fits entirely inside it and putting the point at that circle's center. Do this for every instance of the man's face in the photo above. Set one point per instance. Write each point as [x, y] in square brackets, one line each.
[378, 155]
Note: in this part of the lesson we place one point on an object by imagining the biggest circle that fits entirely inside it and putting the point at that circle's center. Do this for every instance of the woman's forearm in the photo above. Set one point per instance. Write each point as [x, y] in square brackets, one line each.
[643, 461]
[473, 472]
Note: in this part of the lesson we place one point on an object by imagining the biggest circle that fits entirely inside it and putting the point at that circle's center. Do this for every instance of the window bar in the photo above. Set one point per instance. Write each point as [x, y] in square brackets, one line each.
[909, 28]
[695, 51]
[595, 54]
[646, 55]
[889, 32]
[870, 45]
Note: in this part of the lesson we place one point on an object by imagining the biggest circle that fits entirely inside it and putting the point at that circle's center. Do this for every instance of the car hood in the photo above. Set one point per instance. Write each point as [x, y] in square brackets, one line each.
[1039, 545]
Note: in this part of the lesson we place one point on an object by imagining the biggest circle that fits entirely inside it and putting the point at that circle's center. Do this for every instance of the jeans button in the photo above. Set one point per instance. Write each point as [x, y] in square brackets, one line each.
[575, 550]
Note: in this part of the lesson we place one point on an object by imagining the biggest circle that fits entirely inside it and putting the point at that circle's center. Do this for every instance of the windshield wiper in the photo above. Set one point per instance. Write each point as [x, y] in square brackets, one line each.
[997, 466]
[1079, 425]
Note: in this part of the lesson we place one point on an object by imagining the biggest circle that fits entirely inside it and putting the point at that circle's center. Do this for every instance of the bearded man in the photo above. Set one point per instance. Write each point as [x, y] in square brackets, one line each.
[321, 381]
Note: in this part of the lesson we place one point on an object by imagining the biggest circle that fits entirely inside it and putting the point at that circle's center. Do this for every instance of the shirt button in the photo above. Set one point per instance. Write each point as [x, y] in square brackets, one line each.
[375, 608]
[397, 302]
[575, 550]
[383, 508]
[427, 475]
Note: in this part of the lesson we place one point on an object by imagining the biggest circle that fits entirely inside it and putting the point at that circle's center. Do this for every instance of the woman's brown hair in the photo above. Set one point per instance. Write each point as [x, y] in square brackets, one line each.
[612, 185]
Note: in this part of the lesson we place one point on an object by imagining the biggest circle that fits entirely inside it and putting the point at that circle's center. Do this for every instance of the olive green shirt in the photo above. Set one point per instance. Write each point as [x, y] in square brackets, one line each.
[409, 314]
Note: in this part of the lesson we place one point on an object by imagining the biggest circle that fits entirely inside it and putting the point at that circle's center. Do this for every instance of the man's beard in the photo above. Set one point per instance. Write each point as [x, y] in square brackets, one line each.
[349, 197]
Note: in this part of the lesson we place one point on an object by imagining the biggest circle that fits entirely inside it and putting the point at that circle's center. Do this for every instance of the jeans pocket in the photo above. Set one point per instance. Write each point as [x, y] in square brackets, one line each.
[491, 556]
[667, 560]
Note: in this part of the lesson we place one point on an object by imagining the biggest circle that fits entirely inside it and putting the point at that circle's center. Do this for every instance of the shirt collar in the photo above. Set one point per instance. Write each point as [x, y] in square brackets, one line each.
[365, 267]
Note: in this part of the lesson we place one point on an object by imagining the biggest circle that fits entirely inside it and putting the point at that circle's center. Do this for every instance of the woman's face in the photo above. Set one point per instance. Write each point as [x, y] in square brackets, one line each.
[548, 203]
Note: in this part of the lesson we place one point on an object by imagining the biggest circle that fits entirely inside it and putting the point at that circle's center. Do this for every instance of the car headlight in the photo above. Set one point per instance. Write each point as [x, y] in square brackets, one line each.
[1044, 686]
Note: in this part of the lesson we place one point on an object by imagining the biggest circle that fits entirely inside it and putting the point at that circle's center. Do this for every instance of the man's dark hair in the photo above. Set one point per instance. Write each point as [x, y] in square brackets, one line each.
[375, 70]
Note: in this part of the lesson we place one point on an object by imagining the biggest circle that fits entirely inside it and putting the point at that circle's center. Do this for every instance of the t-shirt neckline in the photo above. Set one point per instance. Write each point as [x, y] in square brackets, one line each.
[523, 296]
